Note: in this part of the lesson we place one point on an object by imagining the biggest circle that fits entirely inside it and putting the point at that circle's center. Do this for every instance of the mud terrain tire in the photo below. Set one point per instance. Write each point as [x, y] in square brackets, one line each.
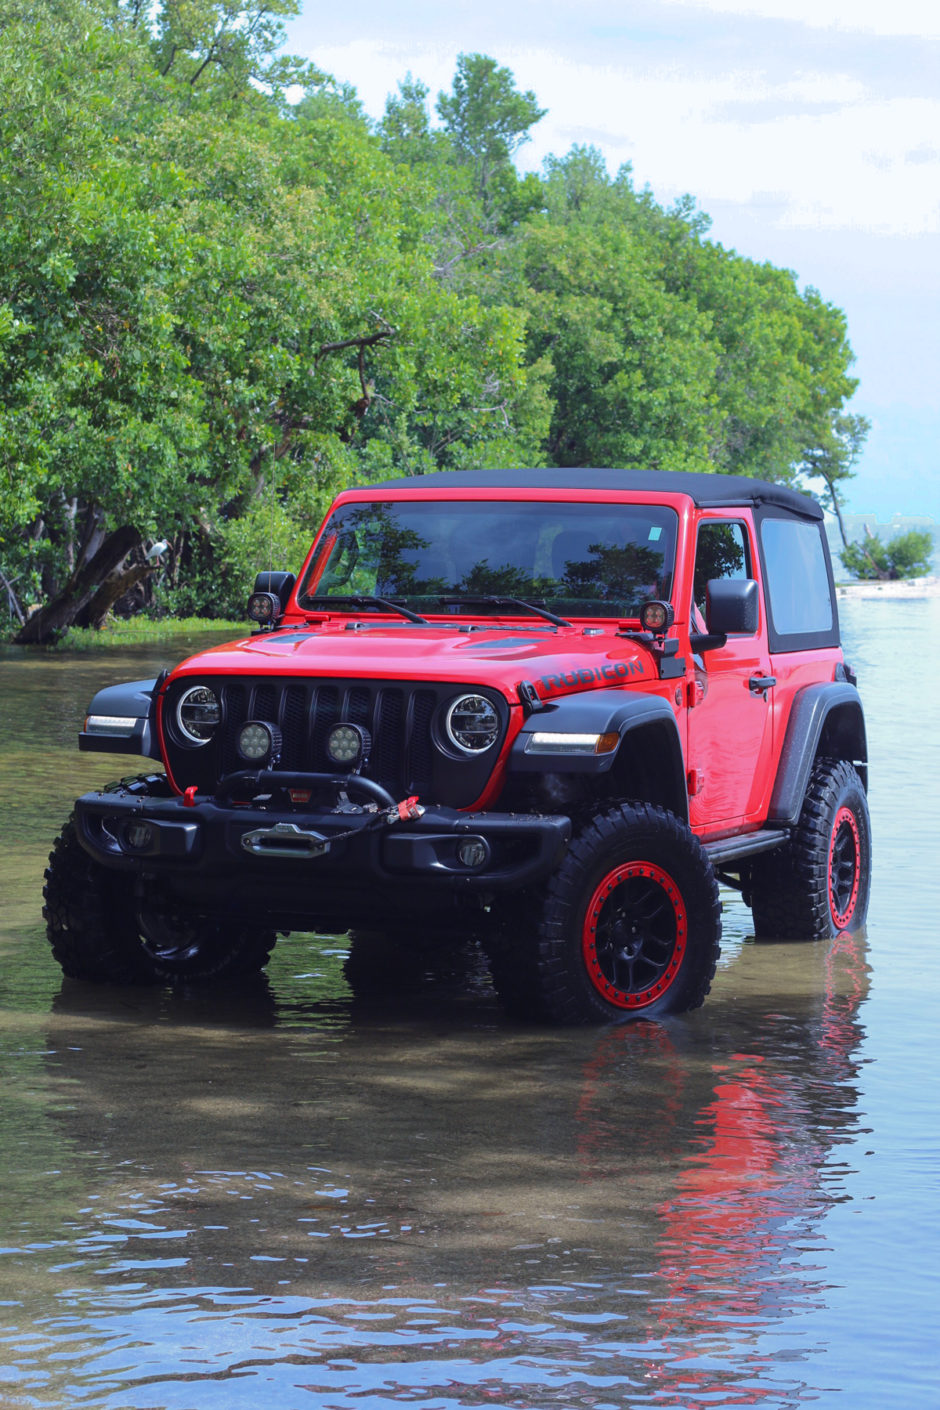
[628, 926]
[98, 931]
[818, 884]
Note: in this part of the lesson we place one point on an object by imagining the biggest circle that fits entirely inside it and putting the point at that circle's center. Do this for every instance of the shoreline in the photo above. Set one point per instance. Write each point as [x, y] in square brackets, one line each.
[904, 589]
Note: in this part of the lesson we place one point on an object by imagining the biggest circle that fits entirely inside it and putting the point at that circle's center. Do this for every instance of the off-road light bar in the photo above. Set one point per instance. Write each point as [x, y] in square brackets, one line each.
[258, 741]
[348, 745]
[548, 742]
[263, 607]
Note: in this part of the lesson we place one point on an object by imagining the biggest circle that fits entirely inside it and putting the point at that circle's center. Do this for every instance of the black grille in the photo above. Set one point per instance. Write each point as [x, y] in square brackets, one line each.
[401, 718]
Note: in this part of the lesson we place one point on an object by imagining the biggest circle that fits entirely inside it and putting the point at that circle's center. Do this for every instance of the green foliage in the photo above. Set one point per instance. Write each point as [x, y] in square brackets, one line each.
[488, 119]
[831, 460]
[905, 556]
[224, 44]
[217, 309]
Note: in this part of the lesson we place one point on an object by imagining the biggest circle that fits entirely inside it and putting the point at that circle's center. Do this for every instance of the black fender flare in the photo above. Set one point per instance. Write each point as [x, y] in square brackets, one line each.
[606, 712]
[825, 718]
[131, 700]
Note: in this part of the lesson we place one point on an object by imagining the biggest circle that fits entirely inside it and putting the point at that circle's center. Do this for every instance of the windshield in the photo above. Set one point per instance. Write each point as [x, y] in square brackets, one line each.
[573, 559]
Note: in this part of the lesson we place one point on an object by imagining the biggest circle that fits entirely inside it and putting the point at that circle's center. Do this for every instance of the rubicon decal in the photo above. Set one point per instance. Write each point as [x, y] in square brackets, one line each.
[591, 675]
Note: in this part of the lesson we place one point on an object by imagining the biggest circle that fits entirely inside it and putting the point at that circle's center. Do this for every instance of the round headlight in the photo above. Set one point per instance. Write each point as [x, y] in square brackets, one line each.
[471, 723]
[347, 744]
[258, 741]
[198, 714]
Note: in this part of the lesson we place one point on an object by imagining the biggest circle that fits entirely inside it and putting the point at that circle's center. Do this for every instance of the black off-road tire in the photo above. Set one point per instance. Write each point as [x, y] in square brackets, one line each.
[628, 926]
[818, 884]
[99, 931]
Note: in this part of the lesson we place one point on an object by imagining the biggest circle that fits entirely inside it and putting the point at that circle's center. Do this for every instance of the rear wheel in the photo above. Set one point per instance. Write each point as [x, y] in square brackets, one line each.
[629, 925]
[818, 884]
[100, 930]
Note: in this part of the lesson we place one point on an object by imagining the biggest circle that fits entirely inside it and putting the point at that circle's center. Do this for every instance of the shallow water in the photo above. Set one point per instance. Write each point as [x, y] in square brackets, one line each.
[280, 1197]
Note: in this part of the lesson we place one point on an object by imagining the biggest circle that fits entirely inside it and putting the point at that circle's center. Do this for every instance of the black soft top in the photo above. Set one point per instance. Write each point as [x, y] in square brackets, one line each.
[707, 491]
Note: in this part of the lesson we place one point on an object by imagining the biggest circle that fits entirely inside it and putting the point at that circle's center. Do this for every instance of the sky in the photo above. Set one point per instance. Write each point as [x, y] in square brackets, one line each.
[807, 130]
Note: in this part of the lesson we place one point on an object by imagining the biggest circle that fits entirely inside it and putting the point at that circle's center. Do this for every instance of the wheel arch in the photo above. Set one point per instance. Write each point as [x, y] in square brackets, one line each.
[647, 764]
[826, 721]
[131, 706]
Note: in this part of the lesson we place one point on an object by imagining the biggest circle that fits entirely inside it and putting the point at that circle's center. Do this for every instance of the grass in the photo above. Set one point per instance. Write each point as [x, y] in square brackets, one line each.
[134, 631]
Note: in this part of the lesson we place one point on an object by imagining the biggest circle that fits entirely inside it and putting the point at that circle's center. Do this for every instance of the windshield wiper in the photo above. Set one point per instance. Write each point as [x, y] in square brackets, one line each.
[366, 601]
[468, 599]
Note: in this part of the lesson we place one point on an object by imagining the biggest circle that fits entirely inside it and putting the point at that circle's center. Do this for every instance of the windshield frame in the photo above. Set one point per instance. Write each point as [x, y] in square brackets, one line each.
[664, 518]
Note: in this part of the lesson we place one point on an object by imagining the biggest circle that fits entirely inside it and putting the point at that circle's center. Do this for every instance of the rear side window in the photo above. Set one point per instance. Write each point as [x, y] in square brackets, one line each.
[799, 584]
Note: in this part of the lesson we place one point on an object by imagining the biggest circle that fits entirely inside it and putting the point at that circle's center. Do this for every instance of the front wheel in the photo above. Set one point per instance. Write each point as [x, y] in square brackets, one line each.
[818, 885]
[99, 930]
[629, 925]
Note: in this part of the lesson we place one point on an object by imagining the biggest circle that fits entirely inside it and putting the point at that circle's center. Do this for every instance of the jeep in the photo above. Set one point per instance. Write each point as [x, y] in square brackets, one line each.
[546, 711]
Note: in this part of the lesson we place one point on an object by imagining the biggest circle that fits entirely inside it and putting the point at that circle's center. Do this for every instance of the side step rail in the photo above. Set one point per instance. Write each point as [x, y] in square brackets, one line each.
[732, 849]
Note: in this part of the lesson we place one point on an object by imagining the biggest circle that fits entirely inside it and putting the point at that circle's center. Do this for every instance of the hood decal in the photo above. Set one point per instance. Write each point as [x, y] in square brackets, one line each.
[608, 674]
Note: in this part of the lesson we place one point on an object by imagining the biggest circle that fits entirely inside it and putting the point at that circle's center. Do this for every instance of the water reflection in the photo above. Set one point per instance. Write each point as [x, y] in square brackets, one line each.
[275, 1195]
[288, 1197]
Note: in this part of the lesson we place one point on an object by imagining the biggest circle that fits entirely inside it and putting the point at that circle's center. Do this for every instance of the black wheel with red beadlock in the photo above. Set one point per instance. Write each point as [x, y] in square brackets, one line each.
[629, 925]
[818, 884]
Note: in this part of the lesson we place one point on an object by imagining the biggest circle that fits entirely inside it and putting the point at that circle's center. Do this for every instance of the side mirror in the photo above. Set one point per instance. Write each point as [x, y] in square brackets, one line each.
[732, 606]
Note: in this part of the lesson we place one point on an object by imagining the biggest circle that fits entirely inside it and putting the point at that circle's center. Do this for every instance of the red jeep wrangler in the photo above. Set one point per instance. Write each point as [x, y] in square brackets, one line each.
[545, 709]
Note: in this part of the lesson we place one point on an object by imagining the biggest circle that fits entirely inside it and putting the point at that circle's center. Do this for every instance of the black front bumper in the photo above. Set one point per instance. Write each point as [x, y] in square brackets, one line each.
[249, 845]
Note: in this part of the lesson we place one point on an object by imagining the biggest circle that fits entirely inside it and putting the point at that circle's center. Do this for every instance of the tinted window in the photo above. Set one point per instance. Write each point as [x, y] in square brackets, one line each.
[797, 577]
[721, 552]
[578, 559]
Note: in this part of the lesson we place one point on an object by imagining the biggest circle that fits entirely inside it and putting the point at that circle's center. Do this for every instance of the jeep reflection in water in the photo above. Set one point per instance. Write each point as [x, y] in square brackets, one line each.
[546, 710]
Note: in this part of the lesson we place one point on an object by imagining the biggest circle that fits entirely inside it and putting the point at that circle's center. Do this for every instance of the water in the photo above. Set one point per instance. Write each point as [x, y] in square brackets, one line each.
[281, 1197]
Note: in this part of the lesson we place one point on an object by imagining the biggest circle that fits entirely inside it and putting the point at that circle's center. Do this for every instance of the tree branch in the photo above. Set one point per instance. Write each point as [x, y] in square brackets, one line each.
[365, 340]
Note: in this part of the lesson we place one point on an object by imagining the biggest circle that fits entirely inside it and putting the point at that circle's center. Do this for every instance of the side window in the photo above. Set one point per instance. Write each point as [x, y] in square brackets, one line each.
[797, 577]
[721, 552]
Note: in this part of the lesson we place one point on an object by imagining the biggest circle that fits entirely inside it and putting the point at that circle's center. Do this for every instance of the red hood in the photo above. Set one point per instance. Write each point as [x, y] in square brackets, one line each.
[500, 656]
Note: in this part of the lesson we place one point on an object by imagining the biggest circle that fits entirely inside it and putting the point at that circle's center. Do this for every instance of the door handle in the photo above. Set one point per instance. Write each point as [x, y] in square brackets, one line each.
[758, 684]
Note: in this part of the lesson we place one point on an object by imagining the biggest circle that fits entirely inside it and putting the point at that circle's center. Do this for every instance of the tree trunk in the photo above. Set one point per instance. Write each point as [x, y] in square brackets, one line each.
[115, 586]
[837, 508]
[66, 608]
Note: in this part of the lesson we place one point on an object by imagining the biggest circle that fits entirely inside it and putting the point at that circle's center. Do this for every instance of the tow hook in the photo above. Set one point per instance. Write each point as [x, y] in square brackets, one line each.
[408, 810]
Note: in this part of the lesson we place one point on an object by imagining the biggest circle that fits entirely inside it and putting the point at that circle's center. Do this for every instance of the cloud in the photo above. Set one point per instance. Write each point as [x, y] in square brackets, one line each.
[832, 155]
[815, 149]
[916, 18]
